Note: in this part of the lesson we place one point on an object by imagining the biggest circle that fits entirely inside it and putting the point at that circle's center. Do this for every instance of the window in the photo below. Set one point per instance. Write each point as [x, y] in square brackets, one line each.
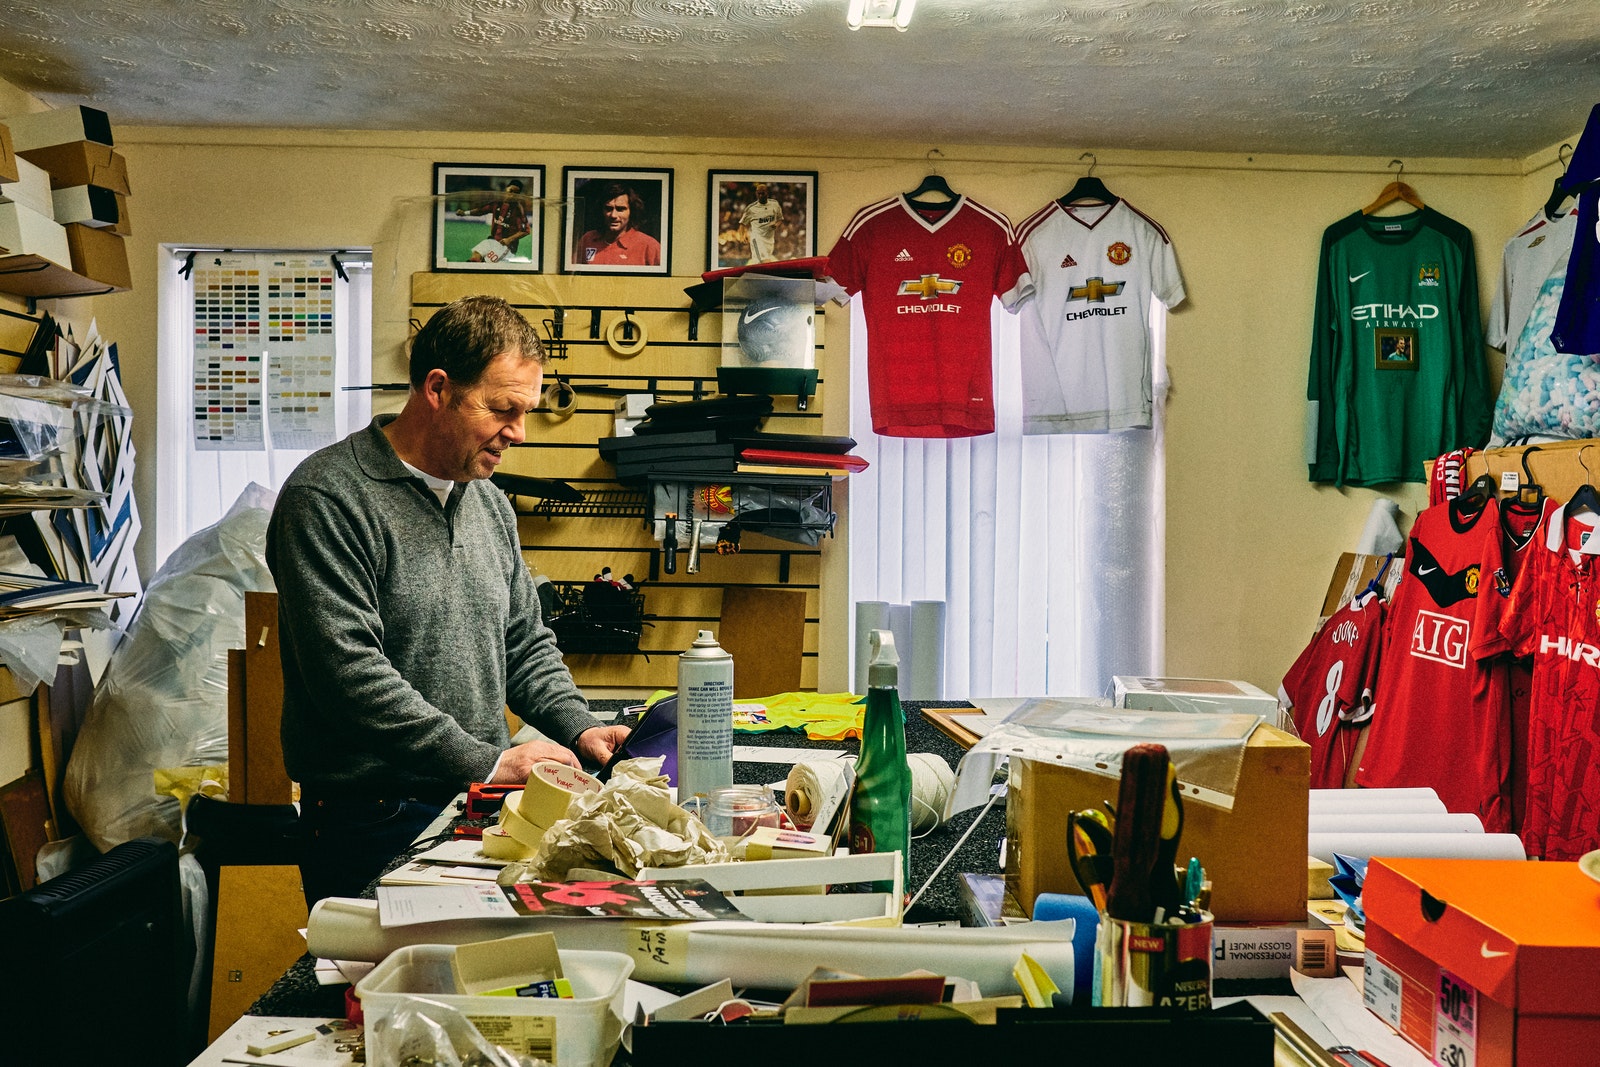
[265, 356]
[1048, 550]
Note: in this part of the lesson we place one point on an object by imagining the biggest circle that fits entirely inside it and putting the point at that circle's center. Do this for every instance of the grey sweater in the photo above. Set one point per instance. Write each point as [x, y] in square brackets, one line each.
[405, 627]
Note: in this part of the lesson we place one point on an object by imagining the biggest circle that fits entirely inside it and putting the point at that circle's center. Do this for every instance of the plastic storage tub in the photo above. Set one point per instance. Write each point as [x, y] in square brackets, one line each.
[586, 1028]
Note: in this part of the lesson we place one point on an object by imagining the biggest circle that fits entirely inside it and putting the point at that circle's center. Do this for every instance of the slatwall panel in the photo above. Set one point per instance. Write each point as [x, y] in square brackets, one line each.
[575, 548]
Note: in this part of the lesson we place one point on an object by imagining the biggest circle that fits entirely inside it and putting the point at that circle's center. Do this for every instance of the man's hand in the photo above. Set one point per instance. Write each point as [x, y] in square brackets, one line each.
[515, 763]
[597, 744]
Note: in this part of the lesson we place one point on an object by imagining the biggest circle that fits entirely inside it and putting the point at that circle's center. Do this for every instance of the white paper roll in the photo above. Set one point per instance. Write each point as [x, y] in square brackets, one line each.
[1390, 823]
[781, 955]
[926, 680]
[1443, 846]
[900, 626]
[346, 928]
[1381, 533]
[1412, 799]
[814, 789]
[870, 615]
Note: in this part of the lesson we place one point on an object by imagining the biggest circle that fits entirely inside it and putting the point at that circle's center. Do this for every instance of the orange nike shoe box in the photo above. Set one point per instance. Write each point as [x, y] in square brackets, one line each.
[1492, 963]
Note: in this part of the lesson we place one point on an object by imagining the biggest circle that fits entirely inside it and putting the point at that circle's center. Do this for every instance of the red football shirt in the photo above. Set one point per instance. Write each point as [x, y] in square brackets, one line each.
[1553, 614]
[926, 280]
[1330, 687]
[1439, 715]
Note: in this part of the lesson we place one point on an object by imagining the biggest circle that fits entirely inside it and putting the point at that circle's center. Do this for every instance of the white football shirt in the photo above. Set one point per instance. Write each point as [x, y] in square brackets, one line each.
[1086, 344]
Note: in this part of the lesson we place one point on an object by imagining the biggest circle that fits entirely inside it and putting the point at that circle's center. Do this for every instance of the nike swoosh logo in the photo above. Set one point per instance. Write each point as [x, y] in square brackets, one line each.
[751, 316]
[1489, 953]
[1425, 570]
[1357, 277]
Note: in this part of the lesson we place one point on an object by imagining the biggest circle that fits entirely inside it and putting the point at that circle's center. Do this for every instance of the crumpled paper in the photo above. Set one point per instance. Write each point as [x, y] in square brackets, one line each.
[630, 824]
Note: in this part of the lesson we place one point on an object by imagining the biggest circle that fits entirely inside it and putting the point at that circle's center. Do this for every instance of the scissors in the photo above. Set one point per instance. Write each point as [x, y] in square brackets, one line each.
[1089, 837]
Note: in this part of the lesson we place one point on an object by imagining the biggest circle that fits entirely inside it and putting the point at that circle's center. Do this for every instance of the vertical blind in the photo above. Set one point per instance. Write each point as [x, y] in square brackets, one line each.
[1047, 549]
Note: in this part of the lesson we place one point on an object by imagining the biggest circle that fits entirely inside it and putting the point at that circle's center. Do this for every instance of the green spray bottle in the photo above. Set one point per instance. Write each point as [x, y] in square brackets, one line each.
[880, 799]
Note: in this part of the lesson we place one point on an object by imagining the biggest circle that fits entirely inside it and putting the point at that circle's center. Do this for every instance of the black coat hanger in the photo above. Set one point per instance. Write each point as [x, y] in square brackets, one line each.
[934, 192]
[932, 184]
[1528, 484]
[1479, 493]
[1558, 195]
[1089, 189]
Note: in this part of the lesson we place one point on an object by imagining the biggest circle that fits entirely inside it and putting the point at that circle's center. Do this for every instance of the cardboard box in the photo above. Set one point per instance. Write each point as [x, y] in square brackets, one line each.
[91, 205]
[24, 231]
[1498, 958]
[100, 255]
[31, 189]
[81, 163]
[1254, 855]
[1198, 696]
[1353, 573]
[8, 155]
[41, 129]
[124, 224]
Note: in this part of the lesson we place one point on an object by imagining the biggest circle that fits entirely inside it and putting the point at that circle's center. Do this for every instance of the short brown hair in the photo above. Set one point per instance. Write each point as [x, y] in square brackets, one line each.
[464, 337]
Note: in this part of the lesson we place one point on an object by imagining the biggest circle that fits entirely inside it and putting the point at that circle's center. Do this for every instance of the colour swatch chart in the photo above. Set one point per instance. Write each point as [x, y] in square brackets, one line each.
[227, 354]
[301, 352]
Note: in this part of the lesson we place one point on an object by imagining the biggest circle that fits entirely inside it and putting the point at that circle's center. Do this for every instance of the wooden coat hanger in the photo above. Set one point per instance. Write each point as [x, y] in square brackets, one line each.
[1089, 189]
[934, 192]
[1396, 190]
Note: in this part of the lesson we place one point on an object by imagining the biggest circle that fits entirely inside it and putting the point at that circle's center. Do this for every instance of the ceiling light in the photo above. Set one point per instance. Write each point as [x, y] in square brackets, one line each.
[896, 13]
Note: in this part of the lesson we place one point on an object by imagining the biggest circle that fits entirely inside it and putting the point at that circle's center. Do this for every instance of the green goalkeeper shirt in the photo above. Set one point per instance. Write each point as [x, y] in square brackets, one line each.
[1397, 361]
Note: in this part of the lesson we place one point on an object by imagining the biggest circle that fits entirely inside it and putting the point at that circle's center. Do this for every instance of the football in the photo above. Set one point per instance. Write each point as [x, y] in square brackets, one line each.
[773, 330]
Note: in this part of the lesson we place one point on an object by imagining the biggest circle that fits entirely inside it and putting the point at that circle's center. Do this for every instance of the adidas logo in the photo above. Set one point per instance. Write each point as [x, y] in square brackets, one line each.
[1069, 261]
[903, 257]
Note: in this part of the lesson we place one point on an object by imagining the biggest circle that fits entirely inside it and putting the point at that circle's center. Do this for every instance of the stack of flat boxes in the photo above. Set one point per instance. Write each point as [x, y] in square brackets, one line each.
[64, 193]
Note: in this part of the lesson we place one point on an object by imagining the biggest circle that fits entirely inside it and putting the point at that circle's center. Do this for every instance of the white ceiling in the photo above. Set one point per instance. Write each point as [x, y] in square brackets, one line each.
[1464, 78]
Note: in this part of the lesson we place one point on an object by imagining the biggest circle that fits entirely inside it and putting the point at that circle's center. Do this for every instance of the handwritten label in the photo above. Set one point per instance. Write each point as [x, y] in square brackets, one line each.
[1455, 1023]
[660, 953]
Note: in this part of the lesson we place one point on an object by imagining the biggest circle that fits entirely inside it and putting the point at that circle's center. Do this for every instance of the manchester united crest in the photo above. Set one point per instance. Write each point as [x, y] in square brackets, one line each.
[960, 255]
[1119, 253]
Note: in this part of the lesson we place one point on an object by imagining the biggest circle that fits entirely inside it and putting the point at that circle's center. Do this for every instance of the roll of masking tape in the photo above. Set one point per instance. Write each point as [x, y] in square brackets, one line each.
[617, 334]
[550, 788]
[524, 830]
[560, 399]
[500, 845]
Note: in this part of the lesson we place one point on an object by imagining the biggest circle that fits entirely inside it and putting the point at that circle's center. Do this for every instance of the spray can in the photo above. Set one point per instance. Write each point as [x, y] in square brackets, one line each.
[880, 800]
[705, 718]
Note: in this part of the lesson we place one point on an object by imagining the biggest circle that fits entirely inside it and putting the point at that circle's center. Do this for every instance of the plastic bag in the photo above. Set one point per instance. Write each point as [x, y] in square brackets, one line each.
[426, 1032]
[163, 701]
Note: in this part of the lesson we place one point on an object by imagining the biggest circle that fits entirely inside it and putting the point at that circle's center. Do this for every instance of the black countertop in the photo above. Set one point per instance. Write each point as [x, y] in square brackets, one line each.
[297, 992]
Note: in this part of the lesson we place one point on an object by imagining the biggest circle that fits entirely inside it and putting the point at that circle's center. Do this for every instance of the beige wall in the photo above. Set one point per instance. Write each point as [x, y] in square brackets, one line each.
[1249, 545]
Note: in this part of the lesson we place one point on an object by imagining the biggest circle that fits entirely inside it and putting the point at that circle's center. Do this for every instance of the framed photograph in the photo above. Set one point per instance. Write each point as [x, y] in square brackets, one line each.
[619, 221]
[1396, 349]
[757, 217]
[488, 217]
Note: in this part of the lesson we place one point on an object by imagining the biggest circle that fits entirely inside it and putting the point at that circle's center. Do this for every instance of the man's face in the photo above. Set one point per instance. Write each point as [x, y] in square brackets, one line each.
[617, 213]
[478, 422]
[761, 193]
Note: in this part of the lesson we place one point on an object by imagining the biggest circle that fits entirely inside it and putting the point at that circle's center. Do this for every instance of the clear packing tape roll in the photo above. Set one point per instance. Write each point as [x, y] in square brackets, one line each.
[767, 955]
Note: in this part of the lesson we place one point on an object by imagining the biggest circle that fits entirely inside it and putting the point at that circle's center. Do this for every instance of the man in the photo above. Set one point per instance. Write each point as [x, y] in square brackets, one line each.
[760, 221]
[508, 225]
[617, 243]
[407, 617]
